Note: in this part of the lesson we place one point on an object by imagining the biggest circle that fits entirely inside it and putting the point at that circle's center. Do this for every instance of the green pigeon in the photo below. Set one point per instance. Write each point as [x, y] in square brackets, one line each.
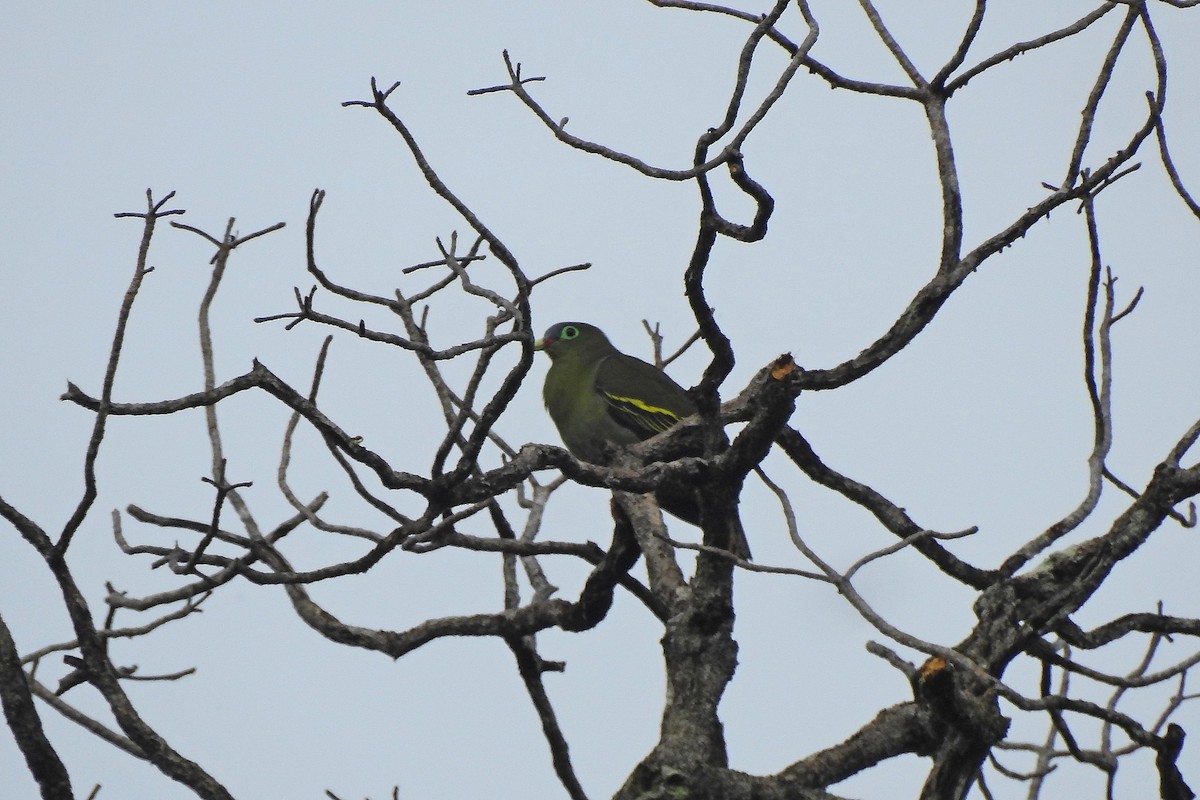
[600, 397]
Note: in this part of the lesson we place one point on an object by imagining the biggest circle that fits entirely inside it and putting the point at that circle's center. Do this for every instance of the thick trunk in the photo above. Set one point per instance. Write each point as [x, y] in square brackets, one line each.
[700, 657]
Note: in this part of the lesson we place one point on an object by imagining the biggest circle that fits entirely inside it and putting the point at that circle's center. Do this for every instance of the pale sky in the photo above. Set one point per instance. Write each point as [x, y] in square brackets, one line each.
[983, 421]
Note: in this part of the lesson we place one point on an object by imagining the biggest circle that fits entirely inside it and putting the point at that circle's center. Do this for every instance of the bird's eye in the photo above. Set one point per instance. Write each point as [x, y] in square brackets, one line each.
[569, 332]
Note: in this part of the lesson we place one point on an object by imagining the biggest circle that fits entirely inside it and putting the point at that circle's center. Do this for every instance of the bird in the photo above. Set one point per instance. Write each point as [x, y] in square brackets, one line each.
[600, 398]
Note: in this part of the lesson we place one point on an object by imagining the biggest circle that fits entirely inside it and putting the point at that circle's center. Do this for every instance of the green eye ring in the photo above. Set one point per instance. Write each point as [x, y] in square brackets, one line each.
[569, 332]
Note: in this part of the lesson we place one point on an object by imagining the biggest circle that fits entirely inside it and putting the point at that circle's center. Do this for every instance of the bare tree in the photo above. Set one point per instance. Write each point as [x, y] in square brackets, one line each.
[962, 703]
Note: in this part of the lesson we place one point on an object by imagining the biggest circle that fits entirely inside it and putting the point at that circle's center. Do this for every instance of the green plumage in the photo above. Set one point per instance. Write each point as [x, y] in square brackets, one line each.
[599, 397]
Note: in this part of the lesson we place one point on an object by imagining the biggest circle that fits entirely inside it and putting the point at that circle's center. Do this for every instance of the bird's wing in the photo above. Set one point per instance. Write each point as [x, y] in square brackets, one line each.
[640, 397]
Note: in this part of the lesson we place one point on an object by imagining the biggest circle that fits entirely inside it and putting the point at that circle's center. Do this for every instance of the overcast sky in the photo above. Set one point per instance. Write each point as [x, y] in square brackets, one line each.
[983, 421]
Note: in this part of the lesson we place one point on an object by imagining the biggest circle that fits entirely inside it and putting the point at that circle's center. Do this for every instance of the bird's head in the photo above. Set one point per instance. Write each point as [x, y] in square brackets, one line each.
[572, 339]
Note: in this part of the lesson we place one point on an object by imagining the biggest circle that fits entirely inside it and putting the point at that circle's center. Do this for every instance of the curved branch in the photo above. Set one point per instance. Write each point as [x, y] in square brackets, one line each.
[583, 614]
[1094, 337]
[529, 667]
[26, 726]
[1021, 48]
[1128, 623]
[259, 377]
[889, 41]
[1093, 102]
[154, 212]
[960, 53]
[890, 515]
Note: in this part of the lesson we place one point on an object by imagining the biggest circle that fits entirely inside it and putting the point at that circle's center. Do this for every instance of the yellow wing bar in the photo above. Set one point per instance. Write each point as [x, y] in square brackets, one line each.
[642, 415]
